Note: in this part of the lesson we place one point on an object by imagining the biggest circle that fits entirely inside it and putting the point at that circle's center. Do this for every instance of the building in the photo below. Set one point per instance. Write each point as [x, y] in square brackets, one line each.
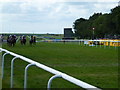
[68, 32]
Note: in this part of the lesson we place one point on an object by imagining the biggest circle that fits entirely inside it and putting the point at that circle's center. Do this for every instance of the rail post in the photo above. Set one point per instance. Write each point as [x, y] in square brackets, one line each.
[3, 58]
[100, 44]
[25, 74]
[104, 44]
[79, 42]
[12, 64]
[109, 44]
[115, 46]
[51, 79]
[46, 68]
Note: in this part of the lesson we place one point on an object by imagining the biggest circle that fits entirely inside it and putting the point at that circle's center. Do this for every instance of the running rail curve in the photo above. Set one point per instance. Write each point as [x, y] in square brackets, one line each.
[53, 71]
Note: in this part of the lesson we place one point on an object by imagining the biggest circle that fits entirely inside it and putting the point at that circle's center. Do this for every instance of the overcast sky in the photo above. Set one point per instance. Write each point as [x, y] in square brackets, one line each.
[48, 16]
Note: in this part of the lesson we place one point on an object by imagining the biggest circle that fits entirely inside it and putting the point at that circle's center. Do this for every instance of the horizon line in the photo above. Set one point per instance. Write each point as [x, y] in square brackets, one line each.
[27, 33]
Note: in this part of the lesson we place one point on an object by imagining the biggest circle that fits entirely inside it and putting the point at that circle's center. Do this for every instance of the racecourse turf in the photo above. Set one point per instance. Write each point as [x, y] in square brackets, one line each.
[97, 66]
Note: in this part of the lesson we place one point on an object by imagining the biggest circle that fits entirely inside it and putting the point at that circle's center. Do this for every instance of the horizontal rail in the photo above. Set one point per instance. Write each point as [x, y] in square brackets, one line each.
[81, 40]
[53, 71]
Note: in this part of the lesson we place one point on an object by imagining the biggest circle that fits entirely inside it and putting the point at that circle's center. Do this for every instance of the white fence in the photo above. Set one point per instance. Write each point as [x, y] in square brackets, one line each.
[57, 74]
[82, 40]
[86, 42]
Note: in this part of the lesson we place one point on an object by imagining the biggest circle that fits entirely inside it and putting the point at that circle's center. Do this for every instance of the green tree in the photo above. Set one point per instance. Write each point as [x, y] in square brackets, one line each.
[104, 24]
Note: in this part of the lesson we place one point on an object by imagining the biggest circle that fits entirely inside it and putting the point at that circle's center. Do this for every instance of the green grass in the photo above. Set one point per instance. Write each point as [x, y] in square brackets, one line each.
[96, 66]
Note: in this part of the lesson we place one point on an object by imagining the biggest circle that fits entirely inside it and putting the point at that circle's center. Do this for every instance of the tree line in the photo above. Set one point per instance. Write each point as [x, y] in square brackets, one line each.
[99, 25]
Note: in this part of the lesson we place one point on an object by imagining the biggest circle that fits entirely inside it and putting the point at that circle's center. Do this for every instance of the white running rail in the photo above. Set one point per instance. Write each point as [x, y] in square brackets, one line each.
[51, 70]
[115, 44]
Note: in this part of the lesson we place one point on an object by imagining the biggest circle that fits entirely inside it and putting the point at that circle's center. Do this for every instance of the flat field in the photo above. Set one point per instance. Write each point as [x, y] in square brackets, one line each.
[94, 65]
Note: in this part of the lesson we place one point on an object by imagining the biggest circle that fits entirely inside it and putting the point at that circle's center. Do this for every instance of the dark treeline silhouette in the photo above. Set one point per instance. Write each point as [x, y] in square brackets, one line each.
[104, 25]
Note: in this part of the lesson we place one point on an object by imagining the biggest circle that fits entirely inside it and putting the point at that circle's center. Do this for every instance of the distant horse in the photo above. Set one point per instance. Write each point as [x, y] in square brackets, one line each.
[32, 40]
[23, 40]
[11, 40]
